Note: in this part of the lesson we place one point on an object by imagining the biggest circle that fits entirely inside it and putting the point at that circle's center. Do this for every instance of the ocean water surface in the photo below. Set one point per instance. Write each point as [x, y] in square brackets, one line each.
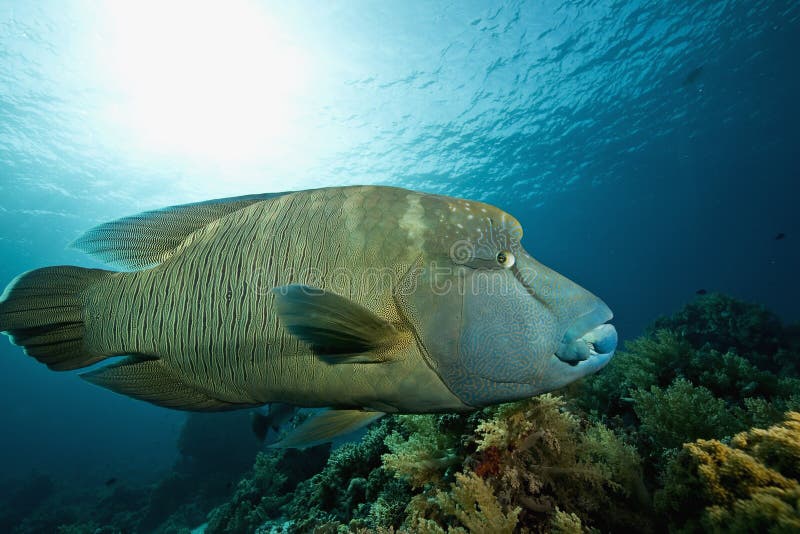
[649, 149]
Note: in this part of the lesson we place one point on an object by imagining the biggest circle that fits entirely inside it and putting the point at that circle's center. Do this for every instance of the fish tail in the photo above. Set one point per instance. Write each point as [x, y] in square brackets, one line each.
[42, 311]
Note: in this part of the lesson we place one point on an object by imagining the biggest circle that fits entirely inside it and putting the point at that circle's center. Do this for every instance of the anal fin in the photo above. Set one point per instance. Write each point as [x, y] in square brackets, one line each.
[150, 381]
[326, 426]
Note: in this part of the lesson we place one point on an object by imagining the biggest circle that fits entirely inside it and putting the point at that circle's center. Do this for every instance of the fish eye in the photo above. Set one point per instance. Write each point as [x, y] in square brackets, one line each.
[505, 258]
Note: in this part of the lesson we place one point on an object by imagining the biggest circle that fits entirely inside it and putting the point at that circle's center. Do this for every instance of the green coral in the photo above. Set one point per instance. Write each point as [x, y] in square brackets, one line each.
[723, 322]
[564, 523]
[352, 489]
[255, 500]
[421, 451]
[652, 360]
[260, 496]
[734, 349]
[616, 460]
[749, 485]
[716, 367]
[682, 412]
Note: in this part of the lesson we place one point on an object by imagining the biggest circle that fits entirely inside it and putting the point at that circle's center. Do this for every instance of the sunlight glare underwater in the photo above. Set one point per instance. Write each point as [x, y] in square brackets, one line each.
[201, 80]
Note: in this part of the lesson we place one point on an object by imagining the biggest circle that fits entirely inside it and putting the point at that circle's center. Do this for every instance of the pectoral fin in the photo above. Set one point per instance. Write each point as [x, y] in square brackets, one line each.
[326, 426]
[338, 329]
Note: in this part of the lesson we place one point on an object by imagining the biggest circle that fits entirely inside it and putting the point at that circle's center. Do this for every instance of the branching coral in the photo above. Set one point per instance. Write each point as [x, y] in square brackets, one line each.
[717, 367]
[748, 485]
[653, 360]
[260, 497]
[722, 322]
[528, 459]
[682, 413]
[472, 502]
[352, 489]
[524, 424]
[734, 349]
[256, 499]
[564, 523]
[419, 451]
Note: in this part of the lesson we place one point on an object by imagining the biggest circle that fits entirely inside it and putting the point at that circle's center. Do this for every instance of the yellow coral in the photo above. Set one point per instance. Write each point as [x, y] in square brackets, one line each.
[565, 523]
[615, 461]
[743, 487]
[472, 501]
[778, 446]
[531, 457]
[424, 455]
[769, 509]
[732, 473]
[520, 425]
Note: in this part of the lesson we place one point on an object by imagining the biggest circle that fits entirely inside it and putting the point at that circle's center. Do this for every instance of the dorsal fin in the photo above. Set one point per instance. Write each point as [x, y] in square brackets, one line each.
[149, 238]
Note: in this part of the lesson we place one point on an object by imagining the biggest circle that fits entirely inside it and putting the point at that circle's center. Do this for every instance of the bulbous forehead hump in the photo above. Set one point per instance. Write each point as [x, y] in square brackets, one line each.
[476, 222]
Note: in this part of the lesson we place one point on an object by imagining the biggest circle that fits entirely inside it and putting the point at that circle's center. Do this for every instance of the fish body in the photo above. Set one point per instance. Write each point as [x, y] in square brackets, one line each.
[369, 299]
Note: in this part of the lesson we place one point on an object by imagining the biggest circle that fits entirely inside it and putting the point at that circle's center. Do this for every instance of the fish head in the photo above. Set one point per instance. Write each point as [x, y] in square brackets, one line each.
[494, 323]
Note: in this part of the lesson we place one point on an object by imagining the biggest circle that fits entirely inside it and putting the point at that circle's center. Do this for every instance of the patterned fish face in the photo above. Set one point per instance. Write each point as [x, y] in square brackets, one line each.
[496, 324]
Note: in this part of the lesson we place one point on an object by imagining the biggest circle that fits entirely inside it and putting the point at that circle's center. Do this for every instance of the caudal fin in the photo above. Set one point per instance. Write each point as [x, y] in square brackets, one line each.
[42, 311]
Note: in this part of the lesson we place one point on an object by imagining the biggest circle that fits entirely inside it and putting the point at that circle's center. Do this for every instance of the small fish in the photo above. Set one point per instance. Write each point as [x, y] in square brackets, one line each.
[780, 236]
[279, 414]
[366, 300]
[701, 291]
[693, 75]
[111, 481]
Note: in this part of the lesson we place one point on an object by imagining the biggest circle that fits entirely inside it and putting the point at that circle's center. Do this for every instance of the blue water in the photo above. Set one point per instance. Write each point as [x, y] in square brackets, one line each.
[650, 149]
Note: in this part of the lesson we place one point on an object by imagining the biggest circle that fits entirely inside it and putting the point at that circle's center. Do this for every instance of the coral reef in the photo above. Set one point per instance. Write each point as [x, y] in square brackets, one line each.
[352, 489]
[423, 452]
[723, 322]
[702, 414]
[317, 490]
[473, 504]
[716, 367]
[734, 349]
[259, 497]
[749, 485]
[518, 466]
[524, 462]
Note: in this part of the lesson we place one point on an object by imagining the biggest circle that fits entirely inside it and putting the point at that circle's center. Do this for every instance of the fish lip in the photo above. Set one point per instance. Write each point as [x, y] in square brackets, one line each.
[587, 322]
[590, 335]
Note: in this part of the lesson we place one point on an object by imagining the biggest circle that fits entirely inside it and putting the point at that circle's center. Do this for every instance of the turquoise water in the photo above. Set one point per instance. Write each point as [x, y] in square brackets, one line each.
[648, 149]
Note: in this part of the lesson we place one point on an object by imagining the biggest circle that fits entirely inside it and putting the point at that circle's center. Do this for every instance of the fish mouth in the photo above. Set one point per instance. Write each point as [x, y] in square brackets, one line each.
[589, 336]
